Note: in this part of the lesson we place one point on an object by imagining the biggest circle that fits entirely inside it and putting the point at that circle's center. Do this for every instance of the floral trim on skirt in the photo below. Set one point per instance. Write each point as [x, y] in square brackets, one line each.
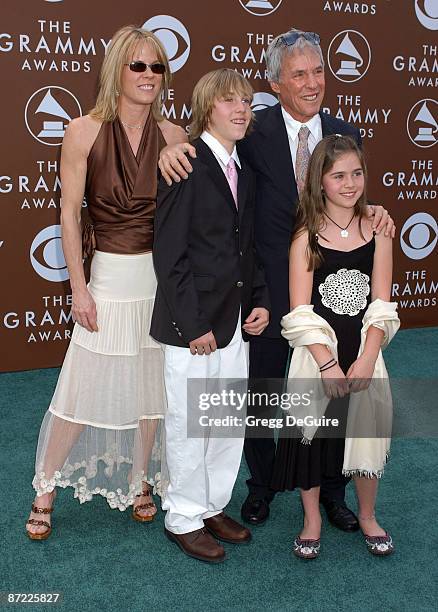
[103, 433]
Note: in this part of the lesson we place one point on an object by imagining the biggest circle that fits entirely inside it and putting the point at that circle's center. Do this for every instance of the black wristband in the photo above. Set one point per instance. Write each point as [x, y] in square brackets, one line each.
[328, 367]
[326, 364]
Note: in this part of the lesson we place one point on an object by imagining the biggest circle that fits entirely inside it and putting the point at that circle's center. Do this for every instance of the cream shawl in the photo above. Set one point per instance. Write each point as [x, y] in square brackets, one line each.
[369, 411]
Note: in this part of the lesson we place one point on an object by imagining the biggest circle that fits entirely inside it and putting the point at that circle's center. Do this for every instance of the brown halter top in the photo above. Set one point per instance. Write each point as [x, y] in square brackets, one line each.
[121, 190]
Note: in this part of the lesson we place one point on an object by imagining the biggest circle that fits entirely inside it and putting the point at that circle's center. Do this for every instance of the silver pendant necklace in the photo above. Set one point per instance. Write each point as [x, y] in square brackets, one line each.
[344, 230]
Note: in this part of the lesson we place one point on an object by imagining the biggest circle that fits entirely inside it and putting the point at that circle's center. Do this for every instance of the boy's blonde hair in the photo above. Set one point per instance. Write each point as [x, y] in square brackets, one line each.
[211, 87]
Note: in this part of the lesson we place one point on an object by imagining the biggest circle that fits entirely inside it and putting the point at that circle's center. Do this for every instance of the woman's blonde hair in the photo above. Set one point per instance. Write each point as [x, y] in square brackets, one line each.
[311, 207]
[211, 87]
[119, 53]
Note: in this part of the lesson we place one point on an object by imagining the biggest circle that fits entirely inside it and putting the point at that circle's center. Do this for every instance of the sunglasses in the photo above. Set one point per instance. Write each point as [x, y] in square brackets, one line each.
[291, 38]
[139, 66]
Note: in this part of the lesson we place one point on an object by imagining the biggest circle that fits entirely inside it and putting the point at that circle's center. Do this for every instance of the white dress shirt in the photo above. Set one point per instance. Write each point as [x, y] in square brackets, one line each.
[293, 127]
[219, 151]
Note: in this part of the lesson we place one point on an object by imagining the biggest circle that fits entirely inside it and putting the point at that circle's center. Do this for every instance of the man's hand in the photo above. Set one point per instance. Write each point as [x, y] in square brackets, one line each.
[257, 321]
[381, 220]
[84, 310]
[173, 162]
[204, 345]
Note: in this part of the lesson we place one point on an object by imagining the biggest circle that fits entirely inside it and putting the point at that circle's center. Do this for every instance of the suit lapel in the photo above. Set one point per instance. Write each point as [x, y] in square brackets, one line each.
[277, 152]
[216, 172]
[327, 125]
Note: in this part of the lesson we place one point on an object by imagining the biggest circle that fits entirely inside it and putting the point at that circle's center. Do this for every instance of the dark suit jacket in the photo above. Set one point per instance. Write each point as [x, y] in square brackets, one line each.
[268, 152]
[204, 254]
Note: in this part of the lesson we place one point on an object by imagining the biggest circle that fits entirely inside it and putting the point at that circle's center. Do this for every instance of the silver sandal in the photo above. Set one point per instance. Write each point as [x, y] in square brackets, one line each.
[306, 549]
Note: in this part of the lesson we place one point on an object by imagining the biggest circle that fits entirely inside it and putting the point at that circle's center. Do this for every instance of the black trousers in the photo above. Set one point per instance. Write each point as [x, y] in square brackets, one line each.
[268, 359]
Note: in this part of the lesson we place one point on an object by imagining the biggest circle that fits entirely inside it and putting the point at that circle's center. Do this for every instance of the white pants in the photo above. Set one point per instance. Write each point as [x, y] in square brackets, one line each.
[202, 471]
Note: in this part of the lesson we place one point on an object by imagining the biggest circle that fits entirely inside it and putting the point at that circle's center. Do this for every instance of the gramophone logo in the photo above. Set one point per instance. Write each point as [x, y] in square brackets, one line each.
[48, 112]
[419, 235]
[46, 255]
[349, 56]
[427, 13]
[260, 8]
[174, 36]
[422, 123]
[262, 100]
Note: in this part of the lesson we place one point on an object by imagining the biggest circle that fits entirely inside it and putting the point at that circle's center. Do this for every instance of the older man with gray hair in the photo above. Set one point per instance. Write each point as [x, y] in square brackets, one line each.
[278, 150]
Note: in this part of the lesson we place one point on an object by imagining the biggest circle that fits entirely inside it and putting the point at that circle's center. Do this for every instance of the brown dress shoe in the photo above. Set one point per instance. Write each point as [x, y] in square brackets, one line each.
[198, 544]
[227, 529]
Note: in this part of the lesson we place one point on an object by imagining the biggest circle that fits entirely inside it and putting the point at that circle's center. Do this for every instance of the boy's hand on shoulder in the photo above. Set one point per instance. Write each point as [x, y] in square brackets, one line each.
[257, 321]
[174, 163]
[204, 345]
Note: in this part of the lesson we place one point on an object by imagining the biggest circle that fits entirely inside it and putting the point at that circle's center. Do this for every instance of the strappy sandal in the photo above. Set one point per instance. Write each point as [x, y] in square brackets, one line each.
[306, 549]
[45, 534]
[140, 517]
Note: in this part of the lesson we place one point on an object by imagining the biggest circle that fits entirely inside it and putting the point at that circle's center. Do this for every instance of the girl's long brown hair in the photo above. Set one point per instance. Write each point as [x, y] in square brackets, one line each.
[311, 207]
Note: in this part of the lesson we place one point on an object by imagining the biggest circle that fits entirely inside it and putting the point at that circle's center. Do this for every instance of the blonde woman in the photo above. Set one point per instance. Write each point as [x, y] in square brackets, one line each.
[101, 433]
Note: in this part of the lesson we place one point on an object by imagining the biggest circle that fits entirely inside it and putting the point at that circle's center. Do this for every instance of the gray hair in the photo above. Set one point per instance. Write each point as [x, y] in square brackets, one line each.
[279, 48]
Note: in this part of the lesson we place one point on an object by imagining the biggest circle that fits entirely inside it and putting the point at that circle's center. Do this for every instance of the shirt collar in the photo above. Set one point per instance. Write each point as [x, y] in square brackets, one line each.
[293, 126]
[219, 150]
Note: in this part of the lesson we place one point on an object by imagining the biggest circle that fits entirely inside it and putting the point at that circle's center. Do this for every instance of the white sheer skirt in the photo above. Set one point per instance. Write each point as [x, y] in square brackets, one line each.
[104, 431]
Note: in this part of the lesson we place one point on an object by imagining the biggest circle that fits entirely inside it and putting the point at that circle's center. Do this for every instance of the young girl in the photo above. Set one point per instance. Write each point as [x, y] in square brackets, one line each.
[340, 281]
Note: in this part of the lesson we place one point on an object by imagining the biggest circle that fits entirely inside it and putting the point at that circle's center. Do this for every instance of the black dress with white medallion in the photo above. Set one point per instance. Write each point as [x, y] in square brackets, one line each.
[341, 294]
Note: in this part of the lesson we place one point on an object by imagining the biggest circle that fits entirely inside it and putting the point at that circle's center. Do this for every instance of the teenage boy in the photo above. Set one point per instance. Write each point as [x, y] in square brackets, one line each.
[208, 284]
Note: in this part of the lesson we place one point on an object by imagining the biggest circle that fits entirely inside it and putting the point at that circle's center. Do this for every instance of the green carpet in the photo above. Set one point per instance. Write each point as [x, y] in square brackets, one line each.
[101, 559]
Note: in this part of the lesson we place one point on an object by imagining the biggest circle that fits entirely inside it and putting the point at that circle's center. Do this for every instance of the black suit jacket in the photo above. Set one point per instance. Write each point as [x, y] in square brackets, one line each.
[268, 152]
[204, 254]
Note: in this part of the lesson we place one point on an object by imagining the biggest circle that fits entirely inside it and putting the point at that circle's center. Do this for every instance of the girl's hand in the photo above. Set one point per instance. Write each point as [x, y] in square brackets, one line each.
[84, 310]
[360, 373]
[334, 381]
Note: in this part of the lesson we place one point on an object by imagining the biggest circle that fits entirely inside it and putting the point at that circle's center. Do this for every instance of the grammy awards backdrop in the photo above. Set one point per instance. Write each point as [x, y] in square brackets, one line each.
[381, 73]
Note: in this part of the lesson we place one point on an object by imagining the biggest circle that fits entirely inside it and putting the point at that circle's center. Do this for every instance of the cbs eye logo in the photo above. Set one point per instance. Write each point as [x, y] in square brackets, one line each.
[427, 13]
[419, 235]
[174, 37]
[46, 255]
[262, 100]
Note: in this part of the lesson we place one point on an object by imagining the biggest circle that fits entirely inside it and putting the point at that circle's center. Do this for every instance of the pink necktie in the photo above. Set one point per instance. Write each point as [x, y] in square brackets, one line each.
[303, 156]
[231, 174]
